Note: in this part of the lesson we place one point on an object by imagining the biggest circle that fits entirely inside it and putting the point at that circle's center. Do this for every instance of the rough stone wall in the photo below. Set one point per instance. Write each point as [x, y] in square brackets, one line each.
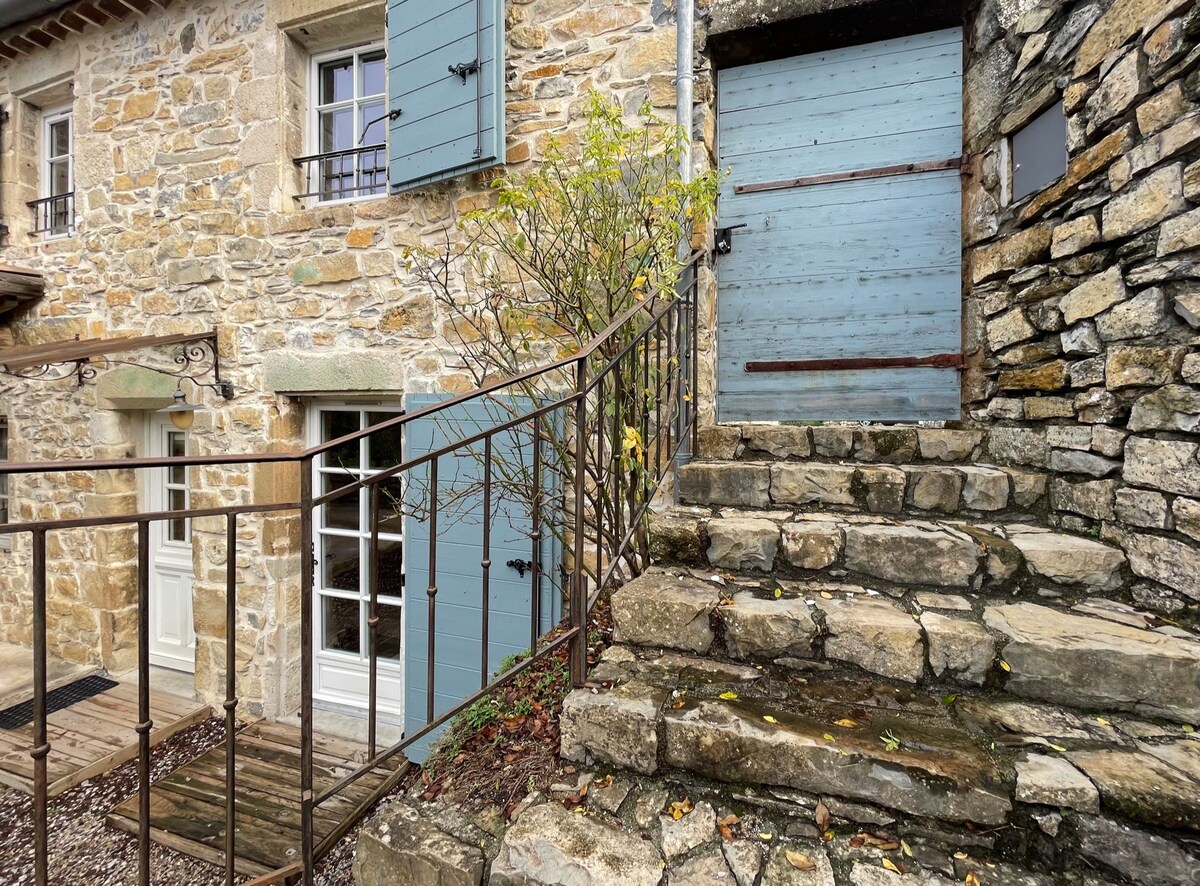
[1082, 311]
[187, 122]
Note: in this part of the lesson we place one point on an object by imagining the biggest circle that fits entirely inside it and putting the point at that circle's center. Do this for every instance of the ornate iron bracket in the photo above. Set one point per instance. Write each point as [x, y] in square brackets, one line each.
[462, 69]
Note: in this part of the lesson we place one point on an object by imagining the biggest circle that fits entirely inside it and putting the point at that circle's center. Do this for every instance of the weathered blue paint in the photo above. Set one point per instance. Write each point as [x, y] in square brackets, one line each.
[867, 268]
[446, 127]
[459, 576]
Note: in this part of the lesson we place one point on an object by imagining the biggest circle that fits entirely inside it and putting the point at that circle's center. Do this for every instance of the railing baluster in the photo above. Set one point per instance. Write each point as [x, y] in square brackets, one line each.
[693, 303]
[602, 472]
[373, 622]
[535, 557]
[486, 563]
[41, 746]
[145, 724]
[431, 591]
[577, 652]
[231, 700]
[307, 845]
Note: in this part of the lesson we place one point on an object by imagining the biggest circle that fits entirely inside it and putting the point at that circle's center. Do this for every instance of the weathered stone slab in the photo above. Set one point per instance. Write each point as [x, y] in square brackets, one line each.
[887, 445]
[758, 627]
[617, 726]
[1138, 855]
[743, 543]
[658, 609]
[725, 483]
[1142, 787]
[1093, 663]
[812, 483]
[1168, 561]
[675, 538]
[781, 872]
[941, 444]
[885, 488]
[707, 869]
[933, 488]
[401, 847]
[875, 635]
[911, 555]
[959, 648]
[1068, 559]
[984, 489]
[777, 441]
[812, 544]
[944, 776]
[681, 837]
[1052, 781]
[1093, 296]
[1169, 465]
[548, 844]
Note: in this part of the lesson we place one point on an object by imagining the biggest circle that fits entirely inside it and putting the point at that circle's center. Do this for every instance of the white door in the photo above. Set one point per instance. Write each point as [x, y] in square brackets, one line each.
[342, 538]
[172, 638]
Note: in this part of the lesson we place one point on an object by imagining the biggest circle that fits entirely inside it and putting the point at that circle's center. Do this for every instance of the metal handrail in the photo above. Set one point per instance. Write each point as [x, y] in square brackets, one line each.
[46, 213]
[659, 403]
[348, 167]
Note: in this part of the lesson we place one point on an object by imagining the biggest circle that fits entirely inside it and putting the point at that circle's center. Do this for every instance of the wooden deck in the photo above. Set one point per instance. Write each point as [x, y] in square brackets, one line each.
[93, 736]
[187, 808]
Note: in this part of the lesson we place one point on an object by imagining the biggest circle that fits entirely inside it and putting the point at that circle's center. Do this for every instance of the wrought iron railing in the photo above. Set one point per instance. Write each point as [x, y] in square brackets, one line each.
[53, 215]
[343, 175]
[635, 382]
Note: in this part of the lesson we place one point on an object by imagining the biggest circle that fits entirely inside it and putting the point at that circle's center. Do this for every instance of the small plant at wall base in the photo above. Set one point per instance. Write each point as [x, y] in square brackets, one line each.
[564, 249]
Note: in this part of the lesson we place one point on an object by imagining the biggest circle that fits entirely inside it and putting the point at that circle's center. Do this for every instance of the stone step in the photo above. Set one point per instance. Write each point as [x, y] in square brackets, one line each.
[1096, 654]
[881, 752]
[998, 557]
[876, 489]
[882, 445]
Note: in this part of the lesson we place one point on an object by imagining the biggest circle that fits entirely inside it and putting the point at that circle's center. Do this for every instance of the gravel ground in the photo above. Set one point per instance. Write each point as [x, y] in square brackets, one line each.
[84, 851]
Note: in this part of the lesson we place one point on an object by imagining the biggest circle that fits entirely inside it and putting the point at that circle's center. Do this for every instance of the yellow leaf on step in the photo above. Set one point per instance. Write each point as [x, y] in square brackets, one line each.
[825, 595]
[906, 849]
[769, 718]
[891, 866]
[847, 723]
[1102, 721]
[828, 737]
[778, 593]
[1005, 666]
[729, 696]
[800, 861]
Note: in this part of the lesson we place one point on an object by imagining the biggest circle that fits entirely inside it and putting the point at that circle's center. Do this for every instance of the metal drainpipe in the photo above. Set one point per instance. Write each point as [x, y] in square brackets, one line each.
[3, 120]
[685, 80]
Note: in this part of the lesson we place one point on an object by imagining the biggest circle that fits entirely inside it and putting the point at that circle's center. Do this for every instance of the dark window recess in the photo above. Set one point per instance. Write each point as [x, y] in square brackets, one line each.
[1039, 152]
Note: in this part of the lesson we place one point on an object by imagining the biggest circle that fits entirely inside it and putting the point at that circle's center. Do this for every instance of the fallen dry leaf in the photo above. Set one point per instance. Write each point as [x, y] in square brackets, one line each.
[800, 861]
[972, 879]
[891, 866]
[847, 723]
[821, 817]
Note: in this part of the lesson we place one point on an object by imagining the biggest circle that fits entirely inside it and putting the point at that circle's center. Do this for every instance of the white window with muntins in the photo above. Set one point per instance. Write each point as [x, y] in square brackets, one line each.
[54, 211]
[348, 126]
[342, 542]
[172, 630]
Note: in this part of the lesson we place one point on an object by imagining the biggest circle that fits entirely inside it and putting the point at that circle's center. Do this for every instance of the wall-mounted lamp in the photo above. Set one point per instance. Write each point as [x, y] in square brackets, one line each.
[182, 413]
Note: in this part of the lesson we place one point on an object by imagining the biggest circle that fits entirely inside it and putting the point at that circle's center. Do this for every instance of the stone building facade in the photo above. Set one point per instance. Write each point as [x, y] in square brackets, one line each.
[1080, 303]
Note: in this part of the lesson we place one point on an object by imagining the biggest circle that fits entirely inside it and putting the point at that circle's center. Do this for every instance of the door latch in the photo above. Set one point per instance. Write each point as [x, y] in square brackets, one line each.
[521, 566]
[724, 239]
[464, 68]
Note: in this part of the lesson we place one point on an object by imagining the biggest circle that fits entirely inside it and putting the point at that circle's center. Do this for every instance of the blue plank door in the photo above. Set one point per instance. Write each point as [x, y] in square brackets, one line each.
[849, 269]
[458, 622]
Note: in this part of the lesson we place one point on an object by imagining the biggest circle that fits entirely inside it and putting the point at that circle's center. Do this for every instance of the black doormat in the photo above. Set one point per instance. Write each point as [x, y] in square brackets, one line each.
[63, 697]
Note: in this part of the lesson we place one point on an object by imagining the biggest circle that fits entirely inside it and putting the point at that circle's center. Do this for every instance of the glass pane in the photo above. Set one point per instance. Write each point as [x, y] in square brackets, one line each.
[337, 130]
[60, 138]
[372, 73]
[385, 449]
[387, 635]
[341, 563]
[176, 444]
[177, 530]
[176, 499]
[341, 624]
[337, 81]
[341, 513]
[338, 424]
[60, 179]
[391, 564]
[391, 507]
[372, 126]
[4, 443]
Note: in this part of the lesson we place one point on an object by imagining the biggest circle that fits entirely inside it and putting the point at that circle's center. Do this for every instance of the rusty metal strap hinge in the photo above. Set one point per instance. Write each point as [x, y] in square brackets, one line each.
[958, 163]
[936, 361]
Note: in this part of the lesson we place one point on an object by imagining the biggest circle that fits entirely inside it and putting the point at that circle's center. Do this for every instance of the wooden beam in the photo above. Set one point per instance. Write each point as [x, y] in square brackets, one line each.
[40, 37]
[72, 21]
[937, 361]
[70, 351]
[92, 14]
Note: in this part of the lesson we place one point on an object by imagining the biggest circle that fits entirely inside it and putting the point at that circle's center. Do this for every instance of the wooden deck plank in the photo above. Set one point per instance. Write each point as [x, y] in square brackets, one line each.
[188, 805]
[91, 737]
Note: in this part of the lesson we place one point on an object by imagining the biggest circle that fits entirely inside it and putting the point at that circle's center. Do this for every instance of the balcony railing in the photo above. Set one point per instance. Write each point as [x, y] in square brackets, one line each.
[344, 175]
[635, 382]
[53, 215]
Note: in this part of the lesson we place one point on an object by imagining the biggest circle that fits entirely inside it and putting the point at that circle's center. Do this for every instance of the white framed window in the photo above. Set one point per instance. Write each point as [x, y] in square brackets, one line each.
[54, 212]
[342, 540]
[4, 511]
[347, 126]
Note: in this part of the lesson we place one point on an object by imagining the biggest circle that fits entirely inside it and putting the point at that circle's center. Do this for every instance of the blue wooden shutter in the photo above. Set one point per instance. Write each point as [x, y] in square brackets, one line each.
[446, 127]
[458, 647]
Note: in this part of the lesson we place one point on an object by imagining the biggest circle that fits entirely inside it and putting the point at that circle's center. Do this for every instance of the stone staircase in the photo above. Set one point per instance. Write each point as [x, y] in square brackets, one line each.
[885, 622]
